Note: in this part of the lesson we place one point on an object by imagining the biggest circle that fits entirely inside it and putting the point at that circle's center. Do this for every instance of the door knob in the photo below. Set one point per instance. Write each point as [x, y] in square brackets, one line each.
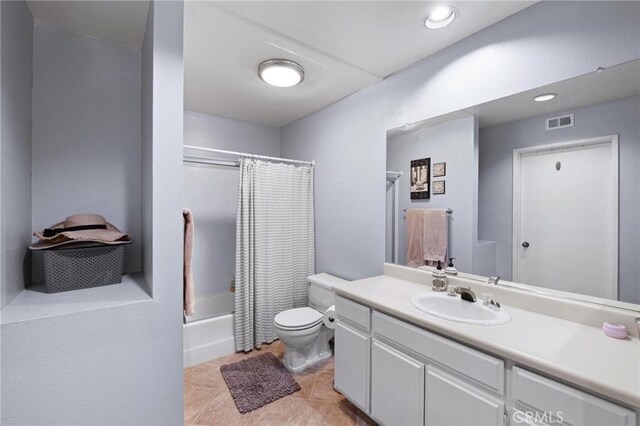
[525, 244]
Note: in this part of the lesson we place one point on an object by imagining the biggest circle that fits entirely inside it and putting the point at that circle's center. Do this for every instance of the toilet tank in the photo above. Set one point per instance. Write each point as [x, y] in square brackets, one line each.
[321, 294]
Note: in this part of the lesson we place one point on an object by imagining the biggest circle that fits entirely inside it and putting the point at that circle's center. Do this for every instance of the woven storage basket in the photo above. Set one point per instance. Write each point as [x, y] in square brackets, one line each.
[73, 269]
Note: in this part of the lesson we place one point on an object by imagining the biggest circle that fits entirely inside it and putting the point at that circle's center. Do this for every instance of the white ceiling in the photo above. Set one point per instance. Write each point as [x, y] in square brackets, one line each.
[343, 46]
[122, 22]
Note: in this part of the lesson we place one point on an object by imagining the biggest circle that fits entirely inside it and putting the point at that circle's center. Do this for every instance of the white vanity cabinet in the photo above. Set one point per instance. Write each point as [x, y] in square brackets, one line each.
[401, 374]
[353, 352]
[426, 379]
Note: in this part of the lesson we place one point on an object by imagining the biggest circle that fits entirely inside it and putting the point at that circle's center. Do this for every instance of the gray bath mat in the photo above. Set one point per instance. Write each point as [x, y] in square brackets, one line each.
[257, 381]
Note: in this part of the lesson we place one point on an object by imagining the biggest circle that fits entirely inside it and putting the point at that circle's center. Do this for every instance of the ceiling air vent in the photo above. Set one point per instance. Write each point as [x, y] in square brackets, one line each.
[559, 122]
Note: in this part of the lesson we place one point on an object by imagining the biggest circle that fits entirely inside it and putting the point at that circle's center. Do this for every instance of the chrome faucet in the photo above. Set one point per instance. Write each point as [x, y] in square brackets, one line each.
[494, 280]
[466, 294]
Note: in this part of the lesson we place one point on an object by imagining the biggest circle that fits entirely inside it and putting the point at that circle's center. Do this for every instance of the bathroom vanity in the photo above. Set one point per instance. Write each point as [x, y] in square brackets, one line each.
[405, 367]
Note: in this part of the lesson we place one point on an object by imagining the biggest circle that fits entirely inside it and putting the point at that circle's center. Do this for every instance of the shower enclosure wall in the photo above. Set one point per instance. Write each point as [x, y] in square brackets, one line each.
[210, 192]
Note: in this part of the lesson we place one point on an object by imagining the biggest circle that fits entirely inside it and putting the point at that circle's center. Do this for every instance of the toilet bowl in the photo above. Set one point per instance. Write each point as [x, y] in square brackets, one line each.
[303, 331]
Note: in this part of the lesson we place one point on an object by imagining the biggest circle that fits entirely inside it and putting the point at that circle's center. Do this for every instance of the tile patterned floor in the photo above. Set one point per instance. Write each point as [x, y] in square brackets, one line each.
[207, 400]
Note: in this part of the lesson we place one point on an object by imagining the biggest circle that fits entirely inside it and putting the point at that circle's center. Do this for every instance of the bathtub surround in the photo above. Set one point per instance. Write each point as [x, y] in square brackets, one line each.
[275, 246]
[209, 337]
[214, 246]
[209, 333]
[111, 364]
[512, 56]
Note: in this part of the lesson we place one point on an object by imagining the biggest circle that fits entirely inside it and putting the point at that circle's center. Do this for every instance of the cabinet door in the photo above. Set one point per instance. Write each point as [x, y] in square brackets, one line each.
[397, 387]
[452, 402]
[352, 365]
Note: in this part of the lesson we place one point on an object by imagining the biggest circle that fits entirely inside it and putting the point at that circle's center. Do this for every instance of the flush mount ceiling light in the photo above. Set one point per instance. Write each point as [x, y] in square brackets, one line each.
[440, 17]
[545, 97]
[281, 72]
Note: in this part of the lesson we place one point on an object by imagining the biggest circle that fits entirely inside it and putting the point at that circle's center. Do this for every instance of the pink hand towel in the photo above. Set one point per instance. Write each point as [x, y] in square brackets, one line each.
[435, 236]
[415, 237]
[188, 291]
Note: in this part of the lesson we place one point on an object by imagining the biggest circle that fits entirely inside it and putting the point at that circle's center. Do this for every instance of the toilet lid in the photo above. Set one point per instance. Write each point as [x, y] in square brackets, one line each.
[298, 318]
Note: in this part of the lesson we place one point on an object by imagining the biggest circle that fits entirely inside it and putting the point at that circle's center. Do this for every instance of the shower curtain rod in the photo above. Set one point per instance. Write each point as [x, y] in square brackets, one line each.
[217, 161]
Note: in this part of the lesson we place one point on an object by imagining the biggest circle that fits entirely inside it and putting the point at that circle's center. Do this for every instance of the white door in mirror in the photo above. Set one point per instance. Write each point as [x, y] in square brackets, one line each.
[567, 229]
[453, 308]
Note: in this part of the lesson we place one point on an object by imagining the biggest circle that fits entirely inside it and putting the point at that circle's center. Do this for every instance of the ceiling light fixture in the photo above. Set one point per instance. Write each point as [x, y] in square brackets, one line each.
[440, 17]
[545, 97]
[281, 72]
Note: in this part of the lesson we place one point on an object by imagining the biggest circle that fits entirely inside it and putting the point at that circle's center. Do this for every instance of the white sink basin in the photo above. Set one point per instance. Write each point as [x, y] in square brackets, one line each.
[453, 308]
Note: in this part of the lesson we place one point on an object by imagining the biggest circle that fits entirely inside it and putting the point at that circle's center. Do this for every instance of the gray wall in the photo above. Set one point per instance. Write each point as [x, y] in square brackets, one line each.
[211, 193]
[496, 160]
[348, 139]
[123, 365]
[15, 149]
[451, 142]
[86, 132]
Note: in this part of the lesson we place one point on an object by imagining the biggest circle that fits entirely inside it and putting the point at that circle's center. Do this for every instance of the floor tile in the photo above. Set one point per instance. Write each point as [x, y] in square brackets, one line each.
[285, 411]
[221, 410]
[330, 414]
[328, 366]
[195, 399]
[204, 375]
[306, 384]
[323, 388]
[209, 402]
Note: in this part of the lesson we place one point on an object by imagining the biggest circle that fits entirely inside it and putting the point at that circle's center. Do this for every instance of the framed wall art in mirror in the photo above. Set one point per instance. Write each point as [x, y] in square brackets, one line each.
[439, 169]
[420, 179]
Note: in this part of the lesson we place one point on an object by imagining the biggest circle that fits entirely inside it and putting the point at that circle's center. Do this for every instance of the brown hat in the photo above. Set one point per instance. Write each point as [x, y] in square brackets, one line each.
[80, 229]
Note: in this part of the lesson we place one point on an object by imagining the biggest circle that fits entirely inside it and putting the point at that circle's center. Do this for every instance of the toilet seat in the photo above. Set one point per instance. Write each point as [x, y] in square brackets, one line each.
[298, 319]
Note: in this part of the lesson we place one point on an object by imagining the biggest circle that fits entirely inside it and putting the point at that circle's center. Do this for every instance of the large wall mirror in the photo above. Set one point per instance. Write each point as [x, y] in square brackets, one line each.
[541, 188]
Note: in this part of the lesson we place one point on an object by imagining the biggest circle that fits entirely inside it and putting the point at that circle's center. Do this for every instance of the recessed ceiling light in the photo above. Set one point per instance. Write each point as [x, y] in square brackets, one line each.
[545, 97]
[440, 17]
[281, 72]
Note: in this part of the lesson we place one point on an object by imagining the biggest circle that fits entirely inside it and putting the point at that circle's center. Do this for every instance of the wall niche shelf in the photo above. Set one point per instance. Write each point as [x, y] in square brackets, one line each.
[34, 303]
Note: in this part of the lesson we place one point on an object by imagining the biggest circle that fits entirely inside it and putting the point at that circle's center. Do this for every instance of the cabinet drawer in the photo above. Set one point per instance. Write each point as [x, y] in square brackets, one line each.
[537, 393]
[478, 366]
[354, 312]
[451, 402]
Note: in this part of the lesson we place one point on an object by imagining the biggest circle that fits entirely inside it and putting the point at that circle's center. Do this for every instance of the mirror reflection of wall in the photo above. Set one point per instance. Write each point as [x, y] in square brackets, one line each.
[452, 142]
[557, 200]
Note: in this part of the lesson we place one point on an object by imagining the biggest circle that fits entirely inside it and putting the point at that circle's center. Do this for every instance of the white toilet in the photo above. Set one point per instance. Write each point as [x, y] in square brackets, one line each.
[303, 331]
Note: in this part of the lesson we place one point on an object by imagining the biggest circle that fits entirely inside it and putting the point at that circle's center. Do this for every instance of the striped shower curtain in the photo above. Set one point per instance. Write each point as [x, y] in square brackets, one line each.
[275, 246]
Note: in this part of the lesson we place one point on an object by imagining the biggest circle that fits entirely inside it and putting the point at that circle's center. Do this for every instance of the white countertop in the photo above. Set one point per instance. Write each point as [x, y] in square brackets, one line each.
[573, 352]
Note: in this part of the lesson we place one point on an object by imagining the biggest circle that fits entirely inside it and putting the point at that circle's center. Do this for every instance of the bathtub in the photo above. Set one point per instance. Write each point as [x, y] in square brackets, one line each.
[209, 333]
